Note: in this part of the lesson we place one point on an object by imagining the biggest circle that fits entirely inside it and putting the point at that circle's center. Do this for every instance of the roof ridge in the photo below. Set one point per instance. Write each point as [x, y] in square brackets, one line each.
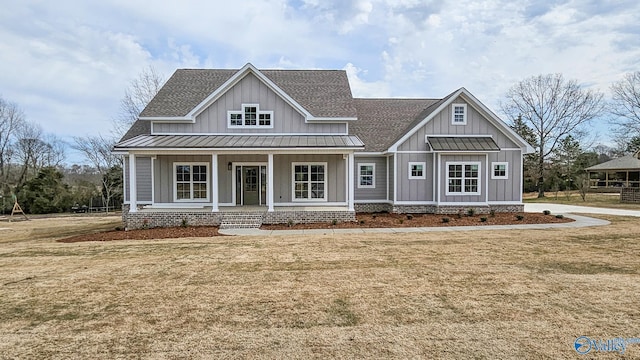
[396, 98]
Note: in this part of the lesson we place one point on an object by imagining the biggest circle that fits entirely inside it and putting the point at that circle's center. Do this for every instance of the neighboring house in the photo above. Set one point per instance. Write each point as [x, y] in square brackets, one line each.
[620, 172]
[253, 146]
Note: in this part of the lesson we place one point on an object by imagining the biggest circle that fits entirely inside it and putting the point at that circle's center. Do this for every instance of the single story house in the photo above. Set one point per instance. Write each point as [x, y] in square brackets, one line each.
[621, 172]
[247, 146]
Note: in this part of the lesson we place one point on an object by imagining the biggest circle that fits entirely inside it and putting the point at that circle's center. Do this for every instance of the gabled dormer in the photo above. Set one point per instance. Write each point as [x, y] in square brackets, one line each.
[252, 101]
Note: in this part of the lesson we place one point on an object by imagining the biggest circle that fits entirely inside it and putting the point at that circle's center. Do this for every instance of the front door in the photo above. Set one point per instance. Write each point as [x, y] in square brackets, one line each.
[250, 185]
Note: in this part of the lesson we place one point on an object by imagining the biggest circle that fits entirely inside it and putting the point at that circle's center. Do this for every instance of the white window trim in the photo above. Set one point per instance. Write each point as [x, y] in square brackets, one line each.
[373, 176]
[258, 113]
[453, 114]
[175, 181]
[463, 163]
[506, 170]
[424, 170]
[293, 181]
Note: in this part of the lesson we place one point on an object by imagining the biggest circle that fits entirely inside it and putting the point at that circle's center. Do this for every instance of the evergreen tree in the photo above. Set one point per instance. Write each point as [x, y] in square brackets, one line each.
[45, 193]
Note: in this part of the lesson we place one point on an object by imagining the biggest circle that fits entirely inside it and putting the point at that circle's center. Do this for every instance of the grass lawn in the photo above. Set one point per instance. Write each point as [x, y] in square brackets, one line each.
[609, 200]
[466, 294]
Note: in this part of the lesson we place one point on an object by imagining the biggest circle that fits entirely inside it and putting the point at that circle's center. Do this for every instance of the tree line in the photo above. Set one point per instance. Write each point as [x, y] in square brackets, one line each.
[32, 163]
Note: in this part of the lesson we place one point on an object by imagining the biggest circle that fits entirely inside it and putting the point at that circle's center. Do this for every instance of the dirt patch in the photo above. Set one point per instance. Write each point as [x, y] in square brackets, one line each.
[146, 234]
[385, 220]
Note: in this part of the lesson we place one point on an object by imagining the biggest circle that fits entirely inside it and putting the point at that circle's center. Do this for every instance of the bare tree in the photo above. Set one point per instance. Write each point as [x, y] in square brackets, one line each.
[136, 96]
[625, 104]
[30, 146]
[625, 108]
[554, 108]
[98, 150]
[11, 119]
[55, 152]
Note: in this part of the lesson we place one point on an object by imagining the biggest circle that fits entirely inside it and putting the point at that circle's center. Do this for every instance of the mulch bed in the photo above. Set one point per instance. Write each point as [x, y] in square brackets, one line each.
[365, 220]
[147, 234]
[385, 220]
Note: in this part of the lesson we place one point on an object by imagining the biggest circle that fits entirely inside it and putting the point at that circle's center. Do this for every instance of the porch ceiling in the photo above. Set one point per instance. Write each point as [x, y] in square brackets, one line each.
[240, 142]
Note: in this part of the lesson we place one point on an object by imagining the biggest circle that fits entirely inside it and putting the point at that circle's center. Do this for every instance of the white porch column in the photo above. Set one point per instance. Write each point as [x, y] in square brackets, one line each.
[350, 182]
[270, 183]
[214, 182]
[133, 196]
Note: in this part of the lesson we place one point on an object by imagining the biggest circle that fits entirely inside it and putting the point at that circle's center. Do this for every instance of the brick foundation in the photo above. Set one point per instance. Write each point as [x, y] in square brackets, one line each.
[414, 209]
[305, 217]
[145, 219]
[434, 209]
[373, 207]
[150, 219]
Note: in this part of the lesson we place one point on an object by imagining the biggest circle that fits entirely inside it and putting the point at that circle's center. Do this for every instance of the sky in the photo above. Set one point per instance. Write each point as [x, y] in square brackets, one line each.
[67, 63]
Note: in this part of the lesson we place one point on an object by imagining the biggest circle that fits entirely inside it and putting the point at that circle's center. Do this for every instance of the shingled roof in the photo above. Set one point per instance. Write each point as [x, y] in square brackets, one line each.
[630, 162]
[323, 93]
[185, 89]
[382, 121]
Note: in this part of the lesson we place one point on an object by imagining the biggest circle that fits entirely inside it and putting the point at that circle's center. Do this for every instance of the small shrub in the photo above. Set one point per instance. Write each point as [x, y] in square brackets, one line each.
[520, 217]
[362, 222]
[374, 216]
[145, 223]
[401, 221]
[483, 219]
[289, 223]
[471, 212]
[118, 228]
[334, 222]
[492, 213]
[445, 220]
[459, 214]
[546, 212]
[184, 223]
[409, 216]
[559, 216]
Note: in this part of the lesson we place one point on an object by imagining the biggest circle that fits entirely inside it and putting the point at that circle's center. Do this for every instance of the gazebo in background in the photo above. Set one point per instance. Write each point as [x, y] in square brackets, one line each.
[623, 172]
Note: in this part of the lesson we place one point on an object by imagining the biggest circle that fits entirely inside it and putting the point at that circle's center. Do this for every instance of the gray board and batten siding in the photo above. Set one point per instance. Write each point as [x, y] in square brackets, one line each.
[415, 189]
[164, 177]
[440, 124]
[143, 179]
[506, 190]
[249, 90]
[483, 175]
[335, 183]
[379, 192]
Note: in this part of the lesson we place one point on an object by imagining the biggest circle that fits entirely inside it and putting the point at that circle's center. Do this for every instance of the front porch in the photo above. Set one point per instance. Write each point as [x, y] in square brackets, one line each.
[232, 216]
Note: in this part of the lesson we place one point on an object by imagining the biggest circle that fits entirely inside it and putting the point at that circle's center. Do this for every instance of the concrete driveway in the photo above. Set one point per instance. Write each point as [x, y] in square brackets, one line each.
[564, 209]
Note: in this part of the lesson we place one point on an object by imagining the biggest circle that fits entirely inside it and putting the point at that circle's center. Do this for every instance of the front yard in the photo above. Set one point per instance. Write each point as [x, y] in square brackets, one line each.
[478, 294]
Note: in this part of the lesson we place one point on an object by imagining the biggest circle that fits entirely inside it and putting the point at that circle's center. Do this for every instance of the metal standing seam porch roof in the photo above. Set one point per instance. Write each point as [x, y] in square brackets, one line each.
[462, 143]
[240, 141]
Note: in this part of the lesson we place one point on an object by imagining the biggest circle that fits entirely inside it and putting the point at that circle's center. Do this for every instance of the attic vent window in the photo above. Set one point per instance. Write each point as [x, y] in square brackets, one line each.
[459, 114]
[250, 117]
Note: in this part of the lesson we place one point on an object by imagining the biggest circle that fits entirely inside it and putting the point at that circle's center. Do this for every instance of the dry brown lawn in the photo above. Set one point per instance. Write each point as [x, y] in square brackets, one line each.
[470, 294]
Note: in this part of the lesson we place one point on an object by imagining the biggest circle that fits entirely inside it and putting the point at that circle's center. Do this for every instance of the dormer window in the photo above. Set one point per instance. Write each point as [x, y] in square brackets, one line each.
[459, 114]
[250, 117]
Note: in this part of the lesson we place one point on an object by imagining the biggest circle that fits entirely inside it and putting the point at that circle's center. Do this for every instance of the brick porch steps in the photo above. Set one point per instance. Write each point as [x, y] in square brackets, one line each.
[241, 220]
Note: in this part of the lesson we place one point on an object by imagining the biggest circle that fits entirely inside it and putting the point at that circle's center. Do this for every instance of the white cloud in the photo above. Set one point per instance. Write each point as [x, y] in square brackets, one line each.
[363, 88]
